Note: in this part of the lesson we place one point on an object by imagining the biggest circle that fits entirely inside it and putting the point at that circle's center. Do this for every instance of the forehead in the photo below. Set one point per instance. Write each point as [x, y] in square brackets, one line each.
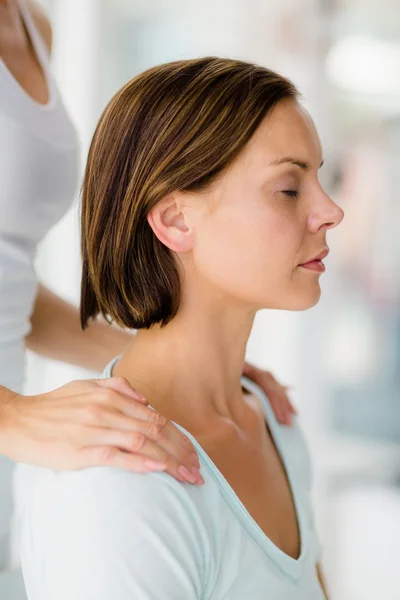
[287, 131]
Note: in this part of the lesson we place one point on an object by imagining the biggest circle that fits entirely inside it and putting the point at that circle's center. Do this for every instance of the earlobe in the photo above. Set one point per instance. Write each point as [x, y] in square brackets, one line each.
[168, 223]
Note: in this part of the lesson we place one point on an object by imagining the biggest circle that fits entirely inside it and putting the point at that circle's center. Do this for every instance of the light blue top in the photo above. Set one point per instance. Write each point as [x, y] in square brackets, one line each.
[108, 534]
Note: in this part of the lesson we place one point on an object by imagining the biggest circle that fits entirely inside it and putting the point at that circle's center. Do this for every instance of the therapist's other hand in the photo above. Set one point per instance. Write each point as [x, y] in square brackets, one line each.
[277, 393]
[102, 422]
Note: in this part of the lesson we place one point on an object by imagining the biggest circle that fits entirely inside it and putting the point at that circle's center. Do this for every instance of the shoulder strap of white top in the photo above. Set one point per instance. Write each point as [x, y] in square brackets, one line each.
[36, 38]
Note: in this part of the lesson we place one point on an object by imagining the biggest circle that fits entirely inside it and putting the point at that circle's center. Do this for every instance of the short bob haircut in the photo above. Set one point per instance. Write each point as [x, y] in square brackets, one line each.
[176, 126]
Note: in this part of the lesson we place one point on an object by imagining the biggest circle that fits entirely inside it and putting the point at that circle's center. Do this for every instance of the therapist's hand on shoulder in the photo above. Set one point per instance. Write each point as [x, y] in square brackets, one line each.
[277, 393]
[102, 422]
[105, 422]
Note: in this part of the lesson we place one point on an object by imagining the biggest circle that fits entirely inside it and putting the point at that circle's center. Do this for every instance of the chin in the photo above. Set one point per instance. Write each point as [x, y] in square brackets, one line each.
[309, 300]
[303, 299]
[295, 298]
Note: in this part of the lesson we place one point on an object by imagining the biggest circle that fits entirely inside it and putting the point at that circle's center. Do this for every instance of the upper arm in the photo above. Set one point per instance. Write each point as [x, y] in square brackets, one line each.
[42, 23]
[123, 536]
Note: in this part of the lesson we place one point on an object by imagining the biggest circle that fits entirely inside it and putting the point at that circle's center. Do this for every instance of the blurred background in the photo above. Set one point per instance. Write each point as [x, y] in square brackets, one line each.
[342, 357]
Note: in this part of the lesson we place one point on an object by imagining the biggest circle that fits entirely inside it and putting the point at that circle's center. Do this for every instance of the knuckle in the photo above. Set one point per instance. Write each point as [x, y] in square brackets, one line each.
[136, 441]
[106, 455]
[92, 414]
[158, 419]
[110, 398]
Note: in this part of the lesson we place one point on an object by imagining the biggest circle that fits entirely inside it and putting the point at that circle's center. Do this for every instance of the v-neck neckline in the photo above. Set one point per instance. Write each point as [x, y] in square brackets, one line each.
[291, 567]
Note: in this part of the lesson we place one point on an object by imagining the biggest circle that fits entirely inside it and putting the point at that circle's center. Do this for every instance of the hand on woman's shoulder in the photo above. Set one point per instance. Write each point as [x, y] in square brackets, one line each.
[42, 22]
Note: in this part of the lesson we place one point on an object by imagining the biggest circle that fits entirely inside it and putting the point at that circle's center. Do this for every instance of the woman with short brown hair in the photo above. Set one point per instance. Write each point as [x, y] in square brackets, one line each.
[201, 206]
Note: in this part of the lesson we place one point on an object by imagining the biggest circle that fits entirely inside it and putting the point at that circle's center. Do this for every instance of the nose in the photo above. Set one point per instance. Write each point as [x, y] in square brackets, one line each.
[326, 214]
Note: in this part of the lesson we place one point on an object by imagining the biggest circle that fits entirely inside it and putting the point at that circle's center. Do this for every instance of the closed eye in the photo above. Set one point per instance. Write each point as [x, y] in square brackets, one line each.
[291, 193]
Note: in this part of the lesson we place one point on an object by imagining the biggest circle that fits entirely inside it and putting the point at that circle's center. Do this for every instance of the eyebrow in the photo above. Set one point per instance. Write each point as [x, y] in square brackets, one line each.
[294, 161]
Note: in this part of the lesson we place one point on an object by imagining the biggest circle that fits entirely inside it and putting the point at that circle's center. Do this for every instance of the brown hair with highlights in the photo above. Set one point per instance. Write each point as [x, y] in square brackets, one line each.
[176, 126]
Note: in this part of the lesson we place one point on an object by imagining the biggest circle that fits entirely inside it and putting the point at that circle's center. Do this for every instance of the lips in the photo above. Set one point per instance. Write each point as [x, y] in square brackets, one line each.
[319, 256]
[315, 263]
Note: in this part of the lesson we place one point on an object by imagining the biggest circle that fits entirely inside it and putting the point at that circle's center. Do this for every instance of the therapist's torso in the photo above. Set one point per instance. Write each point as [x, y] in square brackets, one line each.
[38, 177]
[39, 167]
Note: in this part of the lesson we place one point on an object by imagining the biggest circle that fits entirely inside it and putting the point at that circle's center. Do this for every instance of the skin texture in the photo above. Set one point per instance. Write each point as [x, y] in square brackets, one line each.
[98, 425]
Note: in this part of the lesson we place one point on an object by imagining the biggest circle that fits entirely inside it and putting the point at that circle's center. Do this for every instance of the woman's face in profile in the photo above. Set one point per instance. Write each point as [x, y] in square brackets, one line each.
[264, 217]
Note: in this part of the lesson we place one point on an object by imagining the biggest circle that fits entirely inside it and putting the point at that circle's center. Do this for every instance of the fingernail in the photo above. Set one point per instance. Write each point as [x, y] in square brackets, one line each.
[154, 465]
[186, 474]
[198, 476]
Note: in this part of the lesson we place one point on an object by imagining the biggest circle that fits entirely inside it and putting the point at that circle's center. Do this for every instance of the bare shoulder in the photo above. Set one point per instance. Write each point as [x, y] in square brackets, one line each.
[42, 22]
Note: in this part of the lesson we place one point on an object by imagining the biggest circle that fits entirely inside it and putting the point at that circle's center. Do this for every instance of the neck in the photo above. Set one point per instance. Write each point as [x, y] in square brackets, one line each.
[190, 369]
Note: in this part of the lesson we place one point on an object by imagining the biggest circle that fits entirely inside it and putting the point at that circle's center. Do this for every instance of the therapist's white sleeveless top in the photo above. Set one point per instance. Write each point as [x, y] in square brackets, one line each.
[38, 178]
[39, 163]
[103, 533]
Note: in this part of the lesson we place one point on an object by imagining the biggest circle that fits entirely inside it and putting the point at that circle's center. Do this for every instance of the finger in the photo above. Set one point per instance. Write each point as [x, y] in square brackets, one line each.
[281, 408]
[283, 414]
[247, 369]
[114, 457]
[157, 428]
[96, 456]
[146, 413]
[285, 409]
[291, 406]
[121, 385]
[167, 440]
[136, 443]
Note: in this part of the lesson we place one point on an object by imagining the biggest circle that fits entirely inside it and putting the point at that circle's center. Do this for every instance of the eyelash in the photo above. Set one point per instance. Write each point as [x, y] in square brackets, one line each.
[290, 193]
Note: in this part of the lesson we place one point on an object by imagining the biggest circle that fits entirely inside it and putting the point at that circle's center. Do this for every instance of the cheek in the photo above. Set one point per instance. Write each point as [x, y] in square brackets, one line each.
[247, 250]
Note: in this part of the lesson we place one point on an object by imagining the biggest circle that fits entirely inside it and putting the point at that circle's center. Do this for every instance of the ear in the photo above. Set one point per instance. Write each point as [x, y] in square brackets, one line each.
[168, 222]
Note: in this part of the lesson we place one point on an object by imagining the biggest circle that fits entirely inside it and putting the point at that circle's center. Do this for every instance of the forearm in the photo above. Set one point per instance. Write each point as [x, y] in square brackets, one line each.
[56, 333]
